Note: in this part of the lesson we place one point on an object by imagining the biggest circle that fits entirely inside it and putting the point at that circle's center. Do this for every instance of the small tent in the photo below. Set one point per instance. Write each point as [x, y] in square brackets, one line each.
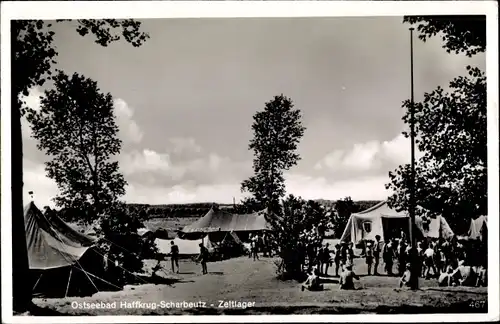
[60, 258]
[478, 229]
[388, 223]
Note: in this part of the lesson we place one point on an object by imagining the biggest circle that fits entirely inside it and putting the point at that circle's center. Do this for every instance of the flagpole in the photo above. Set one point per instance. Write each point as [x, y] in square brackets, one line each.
[414, 271]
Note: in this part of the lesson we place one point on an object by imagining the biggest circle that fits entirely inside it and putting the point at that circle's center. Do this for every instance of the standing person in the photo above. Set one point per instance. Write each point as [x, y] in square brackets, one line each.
[369, 256]
[311, 255]
[337, 258]
[350, 254]
[387, 255]
[255, 247]
[401, 258]
[203, 258]
[264, 245]
[174, 256]
[325, 258]
[429, 262]
[376, 254]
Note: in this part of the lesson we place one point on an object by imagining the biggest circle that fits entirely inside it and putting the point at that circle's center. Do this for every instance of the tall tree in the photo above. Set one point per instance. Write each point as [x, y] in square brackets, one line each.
[344, 208]
[277, 131]
[450, 127]
[451, 176]
[32, 56]
[76, 128]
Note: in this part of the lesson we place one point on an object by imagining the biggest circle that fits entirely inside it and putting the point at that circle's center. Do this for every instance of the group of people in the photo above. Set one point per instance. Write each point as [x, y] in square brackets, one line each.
[448, 261]
[259, 243]
[202, 258]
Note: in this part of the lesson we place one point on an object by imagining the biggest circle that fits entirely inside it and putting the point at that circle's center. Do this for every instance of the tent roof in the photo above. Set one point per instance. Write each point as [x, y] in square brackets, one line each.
[219, 220]
[52, 243]
[380, 209]
[476, 226]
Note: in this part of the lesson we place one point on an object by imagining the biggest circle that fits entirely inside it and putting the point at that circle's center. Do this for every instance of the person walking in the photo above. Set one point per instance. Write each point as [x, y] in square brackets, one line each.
[203, 258]
[174, 256]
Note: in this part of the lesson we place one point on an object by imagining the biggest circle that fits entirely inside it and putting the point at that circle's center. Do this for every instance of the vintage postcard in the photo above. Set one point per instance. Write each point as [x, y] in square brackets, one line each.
[265, 161]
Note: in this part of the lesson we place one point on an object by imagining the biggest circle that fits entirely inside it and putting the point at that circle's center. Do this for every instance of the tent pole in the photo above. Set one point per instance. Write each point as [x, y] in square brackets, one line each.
[36, 284]
[69, 280]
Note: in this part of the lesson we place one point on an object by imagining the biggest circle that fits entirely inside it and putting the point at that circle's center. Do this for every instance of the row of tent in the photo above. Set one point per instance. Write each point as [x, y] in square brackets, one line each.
[55, 249]
[387, 223]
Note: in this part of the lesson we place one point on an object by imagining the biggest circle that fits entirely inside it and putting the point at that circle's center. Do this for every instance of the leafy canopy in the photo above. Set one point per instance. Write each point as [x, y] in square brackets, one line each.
[460, 34]
[451, 129]
[277, 131]
[76, 127]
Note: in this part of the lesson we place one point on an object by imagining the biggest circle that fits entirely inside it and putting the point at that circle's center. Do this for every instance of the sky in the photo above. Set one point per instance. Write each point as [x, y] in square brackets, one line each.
[185, 99]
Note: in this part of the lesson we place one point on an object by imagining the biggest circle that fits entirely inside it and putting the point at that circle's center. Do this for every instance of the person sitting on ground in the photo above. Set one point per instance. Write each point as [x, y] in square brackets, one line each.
[464, 275]
[312, 282]
[446, 278]
[405, 278]
[369, 256]
[347, 278]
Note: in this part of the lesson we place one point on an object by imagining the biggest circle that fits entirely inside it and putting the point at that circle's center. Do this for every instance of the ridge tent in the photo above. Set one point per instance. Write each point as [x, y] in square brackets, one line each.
[388, 223]
[478, 228]
[220, 221]
[60, 258]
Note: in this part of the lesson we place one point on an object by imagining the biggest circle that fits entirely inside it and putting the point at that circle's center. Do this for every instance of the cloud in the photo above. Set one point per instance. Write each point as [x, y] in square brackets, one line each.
[184, 145]
[371, 155]
[35, 179]
[129, 129]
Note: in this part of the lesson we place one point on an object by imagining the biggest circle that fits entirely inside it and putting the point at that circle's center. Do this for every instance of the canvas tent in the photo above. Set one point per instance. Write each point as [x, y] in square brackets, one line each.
[220, 221]
[388, 223]
[478, 228]
[60, 258]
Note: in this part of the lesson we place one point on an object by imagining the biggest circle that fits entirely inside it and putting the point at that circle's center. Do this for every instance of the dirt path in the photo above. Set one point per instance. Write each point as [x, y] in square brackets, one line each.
[245, 281]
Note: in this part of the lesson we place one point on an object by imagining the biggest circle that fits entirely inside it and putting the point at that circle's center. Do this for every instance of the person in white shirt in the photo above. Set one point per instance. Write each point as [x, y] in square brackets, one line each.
[312, 282]
[429, 262]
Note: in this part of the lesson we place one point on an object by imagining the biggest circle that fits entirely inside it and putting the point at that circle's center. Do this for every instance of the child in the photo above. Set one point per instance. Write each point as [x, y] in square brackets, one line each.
[346, 278]
[312, 282]
[337, 259]
[405, 278]
[369, 257]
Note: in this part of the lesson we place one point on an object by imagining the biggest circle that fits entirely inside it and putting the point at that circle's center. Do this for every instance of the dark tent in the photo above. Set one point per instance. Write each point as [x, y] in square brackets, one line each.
[62, 261]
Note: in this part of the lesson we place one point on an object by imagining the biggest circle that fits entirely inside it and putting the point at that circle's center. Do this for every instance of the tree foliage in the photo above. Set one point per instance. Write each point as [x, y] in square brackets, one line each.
[298, 225]
[76, 127]
[451, 130]
[277, 131]
[343, 210]
[461, 34]
[32, 57]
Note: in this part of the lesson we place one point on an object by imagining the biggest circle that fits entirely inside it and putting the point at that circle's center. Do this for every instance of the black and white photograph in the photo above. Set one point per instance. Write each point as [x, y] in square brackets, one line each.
[318, 160]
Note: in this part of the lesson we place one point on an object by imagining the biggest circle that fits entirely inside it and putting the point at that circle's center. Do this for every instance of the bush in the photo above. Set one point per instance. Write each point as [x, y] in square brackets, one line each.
[296, 226]
[121, 243]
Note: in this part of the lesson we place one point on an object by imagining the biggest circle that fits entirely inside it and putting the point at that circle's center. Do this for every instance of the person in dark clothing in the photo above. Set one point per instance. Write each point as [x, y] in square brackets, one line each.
[387, 255]
[369, 256]
[203, 258]
[325, 258]
[174, 256]
[402, 257]
[350, 254]
[338, 259]
[311, 256]
[376, 254]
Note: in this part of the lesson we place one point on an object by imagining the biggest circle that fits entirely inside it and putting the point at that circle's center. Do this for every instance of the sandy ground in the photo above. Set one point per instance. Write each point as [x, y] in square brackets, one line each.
[244, 280]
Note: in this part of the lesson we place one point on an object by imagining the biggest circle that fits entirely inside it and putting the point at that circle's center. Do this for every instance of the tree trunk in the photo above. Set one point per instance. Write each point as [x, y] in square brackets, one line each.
[21, 297]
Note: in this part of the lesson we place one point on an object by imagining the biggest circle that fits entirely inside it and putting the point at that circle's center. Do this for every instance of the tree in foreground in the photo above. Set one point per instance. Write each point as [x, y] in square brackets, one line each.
[277, 132]
[450, 126]
[296, 228]
[451, 176]
[32, 56]
[344, 208]
[76, 128]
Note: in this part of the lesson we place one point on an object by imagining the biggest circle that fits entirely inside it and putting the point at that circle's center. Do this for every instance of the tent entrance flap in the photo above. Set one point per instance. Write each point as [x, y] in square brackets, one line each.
[393, 226]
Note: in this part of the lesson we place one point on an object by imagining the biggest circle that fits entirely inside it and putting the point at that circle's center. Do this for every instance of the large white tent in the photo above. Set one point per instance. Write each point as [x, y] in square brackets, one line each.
[387, 222]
